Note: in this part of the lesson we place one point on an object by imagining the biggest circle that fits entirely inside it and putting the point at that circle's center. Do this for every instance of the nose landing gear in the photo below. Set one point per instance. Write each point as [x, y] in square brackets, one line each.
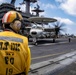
[35, 41]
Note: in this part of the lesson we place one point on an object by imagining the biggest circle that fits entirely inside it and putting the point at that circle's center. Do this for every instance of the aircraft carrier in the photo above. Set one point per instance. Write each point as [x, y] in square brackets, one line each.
[47, 59]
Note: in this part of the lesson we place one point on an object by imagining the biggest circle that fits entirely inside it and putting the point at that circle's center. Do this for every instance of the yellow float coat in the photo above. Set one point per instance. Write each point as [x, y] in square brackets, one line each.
[14, 53]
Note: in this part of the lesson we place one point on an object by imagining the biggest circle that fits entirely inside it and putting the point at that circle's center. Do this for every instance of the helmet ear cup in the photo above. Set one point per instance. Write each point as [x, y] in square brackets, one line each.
[16, 25]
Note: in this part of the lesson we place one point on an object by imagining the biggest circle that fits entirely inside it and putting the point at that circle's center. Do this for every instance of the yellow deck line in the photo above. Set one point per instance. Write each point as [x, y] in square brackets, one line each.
[47, 55]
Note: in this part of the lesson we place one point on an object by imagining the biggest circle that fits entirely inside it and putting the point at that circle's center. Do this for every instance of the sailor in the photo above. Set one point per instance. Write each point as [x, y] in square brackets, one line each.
[15, 54]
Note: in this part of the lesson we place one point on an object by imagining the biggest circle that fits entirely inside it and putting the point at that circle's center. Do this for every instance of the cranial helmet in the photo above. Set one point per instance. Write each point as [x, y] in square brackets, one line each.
[12, 20]
[11, 16]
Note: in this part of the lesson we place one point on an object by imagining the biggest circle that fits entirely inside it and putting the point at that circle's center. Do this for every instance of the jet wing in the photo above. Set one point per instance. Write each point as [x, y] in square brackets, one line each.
[41, 19]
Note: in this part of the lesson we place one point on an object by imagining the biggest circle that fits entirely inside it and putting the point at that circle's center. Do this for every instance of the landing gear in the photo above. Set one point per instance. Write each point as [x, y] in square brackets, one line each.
[53, 40]
[35, 41]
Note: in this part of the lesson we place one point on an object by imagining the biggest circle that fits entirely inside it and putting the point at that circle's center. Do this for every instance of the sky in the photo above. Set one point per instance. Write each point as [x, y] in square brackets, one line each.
[62, 10]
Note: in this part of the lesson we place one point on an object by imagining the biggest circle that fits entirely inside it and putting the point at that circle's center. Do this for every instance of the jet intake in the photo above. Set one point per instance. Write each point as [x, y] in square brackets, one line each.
[33, 33]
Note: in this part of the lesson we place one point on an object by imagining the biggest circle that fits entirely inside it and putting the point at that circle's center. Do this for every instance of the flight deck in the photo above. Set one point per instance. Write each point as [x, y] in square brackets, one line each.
[54, 58]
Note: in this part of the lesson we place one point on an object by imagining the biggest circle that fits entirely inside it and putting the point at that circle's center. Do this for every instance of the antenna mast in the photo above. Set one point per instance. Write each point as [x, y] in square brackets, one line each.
[13, 2]
[27, 2]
